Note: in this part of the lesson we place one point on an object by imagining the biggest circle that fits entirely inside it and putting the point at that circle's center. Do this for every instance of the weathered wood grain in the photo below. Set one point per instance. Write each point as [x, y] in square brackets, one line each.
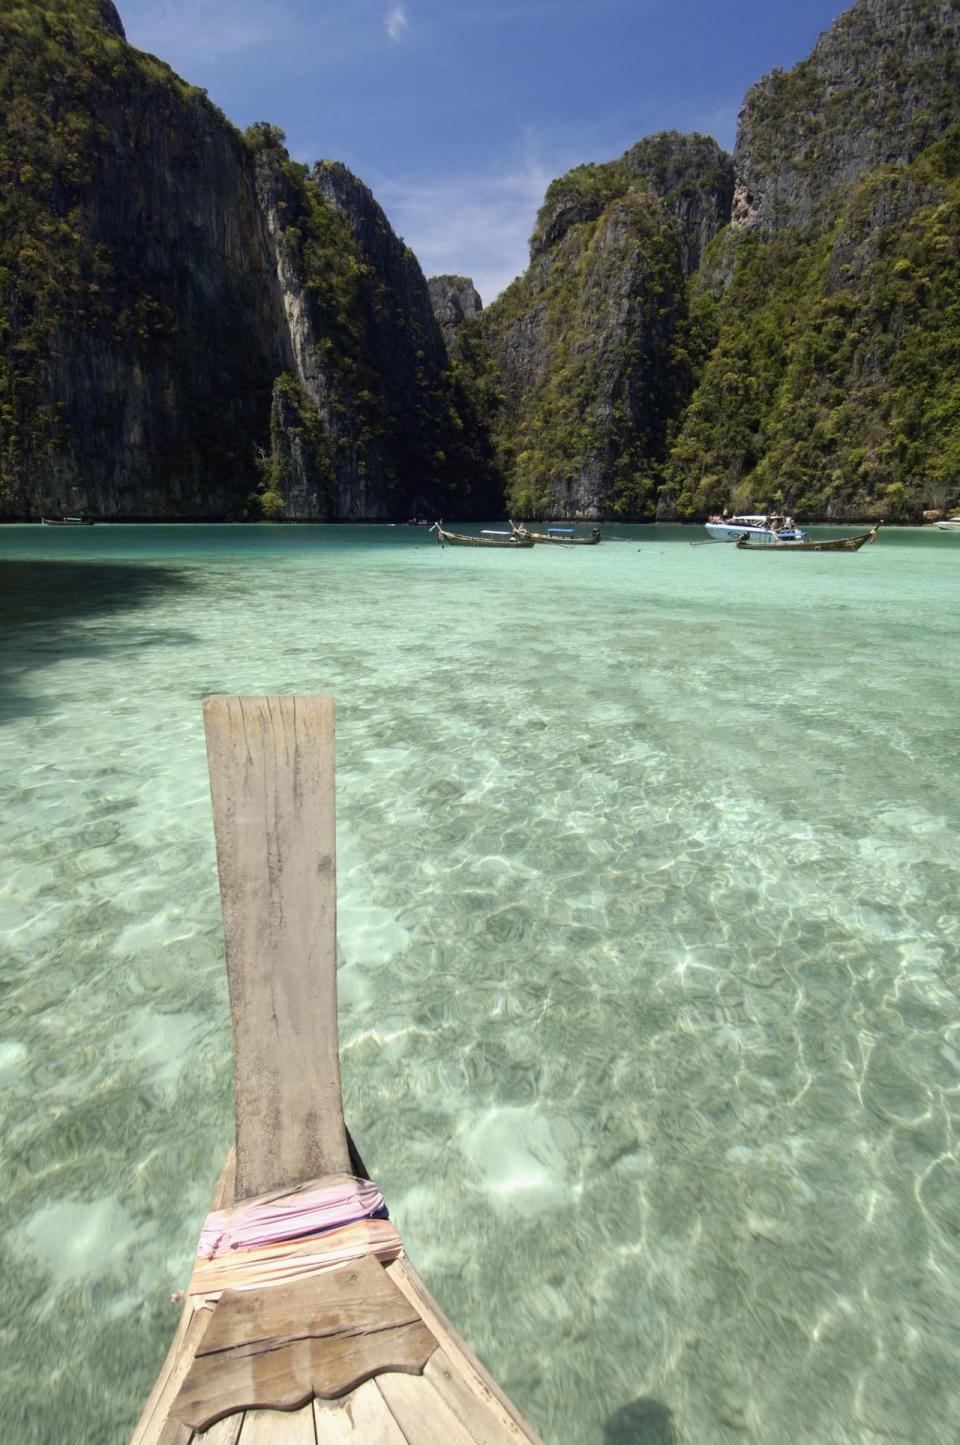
[293, 1373]
[482, 1416]
[224, 1432]
[271, 762]
[360, 1418]
[352, 1301]
[277, 1427]
[280, 1346]
[470, 1369]
[420, 1412]
[174, 1432]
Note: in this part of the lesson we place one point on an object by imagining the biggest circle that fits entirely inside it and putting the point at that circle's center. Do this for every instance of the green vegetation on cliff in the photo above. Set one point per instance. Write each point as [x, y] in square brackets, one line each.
[833, 385]
[72, 93]
[158, 341]
[589, 431]
[378, 412]
[191, 324]
[585, 364]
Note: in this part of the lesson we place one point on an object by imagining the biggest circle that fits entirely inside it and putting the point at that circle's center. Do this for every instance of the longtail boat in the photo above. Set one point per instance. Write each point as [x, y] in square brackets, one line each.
[560, 536]
[304, 1322]
[515, 539]
[830, 544]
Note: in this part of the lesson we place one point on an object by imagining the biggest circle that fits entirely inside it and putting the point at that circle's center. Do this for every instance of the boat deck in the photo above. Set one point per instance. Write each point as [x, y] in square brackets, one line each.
[275, 1345]
[453, 1400]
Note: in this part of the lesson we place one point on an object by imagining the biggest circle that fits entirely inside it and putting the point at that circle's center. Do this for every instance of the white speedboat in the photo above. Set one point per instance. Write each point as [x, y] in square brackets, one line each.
[758, 528]
[952, 524]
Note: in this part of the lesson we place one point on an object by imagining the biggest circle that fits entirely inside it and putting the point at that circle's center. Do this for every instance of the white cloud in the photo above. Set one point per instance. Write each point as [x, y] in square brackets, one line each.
[206, 30]
[233, 33]
[478, 224]
[470, 225]
[397, 23]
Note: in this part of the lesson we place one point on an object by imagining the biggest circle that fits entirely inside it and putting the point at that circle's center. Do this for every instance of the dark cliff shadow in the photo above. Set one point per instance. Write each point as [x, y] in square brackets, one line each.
[42, 605]
[642, 1422]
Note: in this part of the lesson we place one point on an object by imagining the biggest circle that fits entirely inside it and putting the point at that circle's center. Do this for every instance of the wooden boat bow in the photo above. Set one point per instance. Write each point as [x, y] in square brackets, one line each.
[293, 1350]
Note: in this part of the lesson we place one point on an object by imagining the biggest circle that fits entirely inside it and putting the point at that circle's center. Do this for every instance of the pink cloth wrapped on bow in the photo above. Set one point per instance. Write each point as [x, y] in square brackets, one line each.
[278, 1264]
[300, 1213]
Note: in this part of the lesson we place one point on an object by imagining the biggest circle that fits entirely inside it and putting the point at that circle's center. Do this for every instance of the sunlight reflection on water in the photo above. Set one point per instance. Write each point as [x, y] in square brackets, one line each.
[648, 869]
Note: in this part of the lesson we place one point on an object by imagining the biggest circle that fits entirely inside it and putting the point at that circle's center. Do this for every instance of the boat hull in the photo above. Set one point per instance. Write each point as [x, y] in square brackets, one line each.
[953, 525]
[830, 544]
[459, 539]
[758, 536]
[542, 537]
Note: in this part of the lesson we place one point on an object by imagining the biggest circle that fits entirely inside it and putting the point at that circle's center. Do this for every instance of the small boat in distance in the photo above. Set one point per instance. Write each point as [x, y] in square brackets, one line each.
[949, 524]
[829, 544]
[562, 536]
[764, 527]
[67, 522]
[490, 538]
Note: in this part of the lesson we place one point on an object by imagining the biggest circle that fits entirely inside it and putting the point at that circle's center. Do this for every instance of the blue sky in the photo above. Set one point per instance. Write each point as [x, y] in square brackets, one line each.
[458, 113]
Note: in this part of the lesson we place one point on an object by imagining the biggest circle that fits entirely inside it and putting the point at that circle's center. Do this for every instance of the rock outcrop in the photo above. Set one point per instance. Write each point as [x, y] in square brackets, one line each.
[192, 325]
[827, 309]
[879, 86]
[110, 19]
[590, 345]
[454, 299]
[140, 331]
[693, 180]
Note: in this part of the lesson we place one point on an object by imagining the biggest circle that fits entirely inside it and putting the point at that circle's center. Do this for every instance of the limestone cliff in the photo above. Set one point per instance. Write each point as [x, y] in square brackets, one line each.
[828, 310]
[138, 330]
[878, 87]
[591, 346]
[454, 299]
[689, 175]
[190, 324]
[810, 361]
[368, 422]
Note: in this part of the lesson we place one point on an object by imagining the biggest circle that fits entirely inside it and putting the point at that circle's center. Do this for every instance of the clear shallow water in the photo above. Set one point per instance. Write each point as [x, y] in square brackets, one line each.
[649, 868]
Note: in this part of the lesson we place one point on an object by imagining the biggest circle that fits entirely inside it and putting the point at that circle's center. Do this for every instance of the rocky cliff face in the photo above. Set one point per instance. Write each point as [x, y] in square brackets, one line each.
[828, 309]
[110, 19]
[688, 175]
[454, 299]
[879, 86]
[192, 325]
[140, 332]
[591, 344]
[693, 180]
[789, 371]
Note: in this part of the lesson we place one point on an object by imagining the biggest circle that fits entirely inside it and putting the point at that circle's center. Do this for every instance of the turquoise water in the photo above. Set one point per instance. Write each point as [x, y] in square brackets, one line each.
[649, 867]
